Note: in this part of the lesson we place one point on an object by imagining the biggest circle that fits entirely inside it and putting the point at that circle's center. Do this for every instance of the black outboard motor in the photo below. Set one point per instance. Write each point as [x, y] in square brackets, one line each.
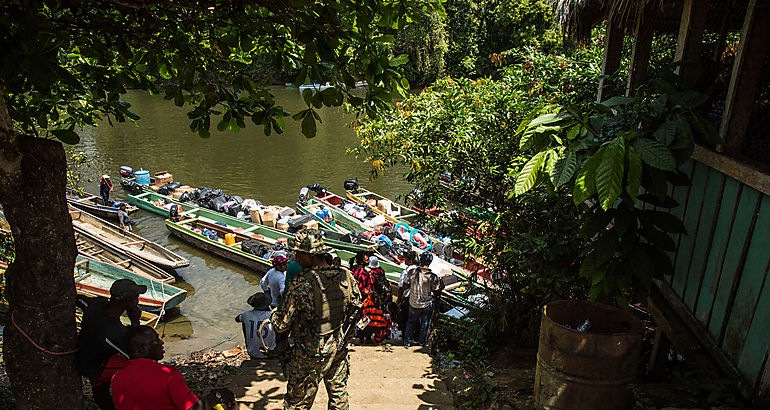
[351, 185]
[173, 213]
[303, 195]
[126, 171]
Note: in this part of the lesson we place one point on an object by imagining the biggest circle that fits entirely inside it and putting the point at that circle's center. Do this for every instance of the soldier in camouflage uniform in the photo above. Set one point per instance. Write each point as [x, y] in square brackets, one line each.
[313, 310]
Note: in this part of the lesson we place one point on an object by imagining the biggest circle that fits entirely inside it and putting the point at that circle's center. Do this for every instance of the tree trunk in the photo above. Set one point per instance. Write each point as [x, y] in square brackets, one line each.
[39, 283]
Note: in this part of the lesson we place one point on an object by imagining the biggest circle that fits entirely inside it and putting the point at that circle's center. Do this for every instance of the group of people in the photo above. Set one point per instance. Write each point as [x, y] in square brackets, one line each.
[122, 362]
[310, 300]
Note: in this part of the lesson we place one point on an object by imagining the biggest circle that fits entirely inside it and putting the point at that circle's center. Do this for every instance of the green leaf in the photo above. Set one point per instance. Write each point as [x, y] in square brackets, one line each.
[164, 71]
[665, 133]
[663, 220]
[203, 133]
[66, 136]
[634, 173]
[309, 126]
[400, 60]
[386, 38]
[584, 183]
[563, 169]
[609, 172]
[655, 154]
[528, 174]
[618, 100]
[605, 247]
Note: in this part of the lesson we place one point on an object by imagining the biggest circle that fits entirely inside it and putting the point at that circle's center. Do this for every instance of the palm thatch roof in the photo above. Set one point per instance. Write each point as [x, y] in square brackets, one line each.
[576, 18]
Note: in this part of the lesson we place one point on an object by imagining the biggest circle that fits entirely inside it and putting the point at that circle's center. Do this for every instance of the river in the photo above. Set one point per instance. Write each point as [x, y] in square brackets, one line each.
[270, 169]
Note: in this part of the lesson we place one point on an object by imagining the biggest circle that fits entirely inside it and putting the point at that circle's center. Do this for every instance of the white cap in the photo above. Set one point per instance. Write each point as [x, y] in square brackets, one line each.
[105, 176]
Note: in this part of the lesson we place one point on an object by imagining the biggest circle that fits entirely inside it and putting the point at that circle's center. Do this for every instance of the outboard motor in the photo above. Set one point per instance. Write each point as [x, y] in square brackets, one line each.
[351, 185]
[126, 171]
[173, 213]
[303, 195]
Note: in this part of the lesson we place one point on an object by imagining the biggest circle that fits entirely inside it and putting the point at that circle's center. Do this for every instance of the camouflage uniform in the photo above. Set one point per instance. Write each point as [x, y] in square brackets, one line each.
[313, 356]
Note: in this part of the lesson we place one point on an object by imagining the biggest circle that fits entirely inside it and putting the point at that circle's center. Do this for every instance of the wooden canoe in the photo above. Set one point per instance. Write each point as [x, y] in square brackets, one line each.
[393, 211]
[94, 278]
[150, 201]
[111, 236]
[186, 228]
[94, 205]
[93, 250]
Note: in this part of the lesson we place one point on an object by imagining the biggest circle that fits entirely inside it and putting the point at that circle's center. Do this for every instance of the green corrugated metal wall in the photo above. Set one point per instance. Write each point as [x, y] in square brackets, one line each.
[721, 264]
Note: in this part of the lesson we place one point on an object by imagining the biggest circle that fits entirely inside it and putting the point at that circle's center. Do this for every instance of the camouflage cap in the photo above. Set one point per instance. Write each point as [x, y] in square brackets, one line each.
[308, 241]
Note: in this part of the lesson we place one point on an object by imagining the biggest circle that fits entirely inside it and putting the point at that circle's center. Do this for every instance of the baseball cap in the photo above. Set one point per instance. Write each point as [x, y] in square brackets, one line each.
[123, 288]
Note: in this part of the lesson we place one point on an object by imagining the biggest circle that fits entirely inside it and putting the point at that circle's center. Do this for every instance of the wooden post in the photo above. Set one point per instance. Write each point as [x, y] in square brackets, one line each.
[613, 48]
[640, 56]
[691, 27]
[746, 74]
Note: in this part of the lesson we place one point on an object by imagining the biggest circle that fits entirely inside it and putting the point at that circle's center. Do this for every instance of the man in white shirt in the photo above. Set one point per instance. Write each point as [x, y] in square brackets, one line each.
[275, 280]
[251, 321]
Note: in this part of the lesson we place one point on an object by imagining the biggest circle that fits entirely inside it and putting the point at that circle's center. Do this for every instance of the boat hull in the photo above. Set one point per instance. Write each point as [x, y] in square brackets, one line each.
[109, 235]
[95, 278]
[202, 242]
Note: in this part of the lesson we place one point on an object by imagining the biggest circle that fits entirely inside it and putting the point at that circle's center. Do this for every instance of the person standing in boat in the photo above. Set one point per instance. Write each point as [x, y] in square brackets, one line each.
[123, 219]
[105, 187]
[101, 351]
[275, 279]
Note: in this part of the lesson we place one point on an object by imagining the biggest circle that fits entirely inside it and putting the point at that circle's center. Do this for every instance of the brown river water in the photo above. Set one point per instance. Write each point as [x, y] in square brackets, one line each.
[270, 169]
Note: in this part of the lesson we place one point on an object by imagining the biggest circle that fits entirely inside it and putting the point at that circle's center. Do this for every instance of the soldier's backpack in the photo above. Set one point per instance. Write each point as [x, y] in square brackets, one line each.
[332, 296]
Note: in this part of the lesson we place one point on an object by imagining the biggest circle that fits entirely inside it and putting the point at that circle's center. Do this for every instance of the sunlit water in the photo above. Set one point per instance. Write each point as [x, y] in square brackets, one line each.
[271, 169]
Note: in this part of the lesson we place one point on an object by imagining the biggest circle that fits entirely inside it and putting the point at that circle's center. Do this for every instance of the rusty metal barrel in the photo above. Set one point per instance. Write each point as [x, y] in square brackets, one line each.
[588, 369]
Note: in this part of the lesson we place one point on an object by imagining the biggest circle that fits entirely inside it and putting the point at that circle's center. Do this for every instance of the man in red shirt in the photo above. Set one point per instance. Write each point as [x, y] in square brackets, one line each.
[147, 384]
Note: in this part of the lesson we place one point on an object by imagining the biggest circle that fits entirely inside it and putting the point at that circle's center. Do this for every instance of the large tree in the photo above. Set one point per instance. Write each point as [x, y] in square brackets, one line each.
[68, 63]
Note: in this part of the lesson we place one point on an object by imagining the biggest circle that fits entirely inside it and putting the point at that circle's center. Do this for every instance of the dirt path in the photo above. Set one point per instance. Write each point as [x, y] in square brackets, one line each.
[381, 377]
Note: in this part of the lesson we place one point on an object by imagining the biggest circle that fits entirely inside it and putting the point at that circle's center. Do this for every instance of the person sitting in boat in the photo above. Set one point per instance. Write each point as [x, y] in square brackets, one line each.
[101, 351]
[275, 280]
[123, 219]
[146, 384]
[253, 329]
[105, 187]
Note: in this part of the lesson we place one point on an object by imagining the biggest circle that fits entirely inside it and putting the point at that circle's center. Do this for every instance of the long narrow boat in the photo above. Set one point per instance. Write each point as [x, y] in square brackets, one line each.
[94, 205]
[94, 250]
[95, 278]
[393, 211]
[190, 229]
[110, 236]
[151, 201]
[343, 222]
